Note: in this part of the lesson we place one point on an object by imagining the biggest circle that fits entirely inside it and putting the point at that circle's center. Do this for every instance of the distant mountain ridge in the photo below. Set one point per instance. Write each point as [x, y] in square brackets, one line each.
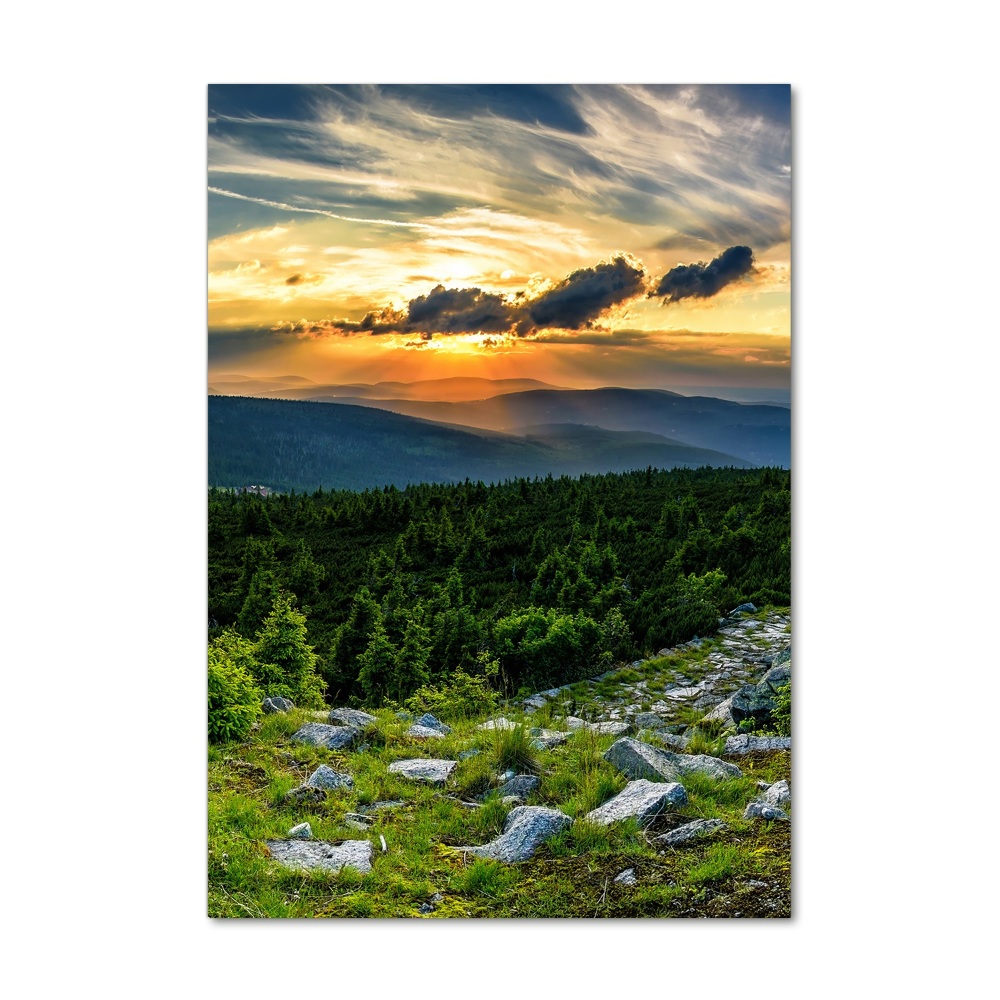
[290, 444]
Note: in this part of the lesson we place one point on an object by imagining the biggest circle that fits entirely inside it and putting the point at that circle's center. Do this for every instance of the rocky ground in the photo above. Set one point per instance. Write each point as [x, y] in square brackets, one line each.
[642, 797]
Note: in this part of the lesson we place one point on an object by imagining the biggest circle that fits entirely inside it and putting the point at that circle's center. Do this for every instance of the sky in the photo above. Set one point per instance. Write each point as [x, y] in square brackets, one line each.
[580, 235]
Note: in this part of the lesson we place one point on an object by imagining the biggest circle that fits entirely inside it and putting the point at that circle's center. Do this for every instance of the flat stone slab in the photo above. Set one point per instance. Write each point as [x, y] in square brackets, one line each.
[642, 800]
[499, 723]
[649, 720]
[699, 829]
[351, 717]
[525, 828]
[736, 746]
[682, 694]
[326, 777]
[574, 723]
[318, 734]
[421, 769]
[308, 854]
[416, 732]
[639, 760]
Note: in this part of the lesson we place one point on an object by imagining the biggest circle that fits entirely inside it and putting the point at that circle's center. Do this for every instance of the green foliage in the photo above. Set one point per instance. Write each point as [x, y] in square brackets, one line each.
[286, 663]
[462, 696]
[233, 697]
[782, 714]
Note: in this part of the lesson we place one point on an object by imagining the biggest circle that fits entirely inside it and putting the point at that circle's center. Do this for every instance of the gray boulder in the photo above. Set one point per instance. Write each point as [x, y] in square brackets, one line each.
[307, 854]
[778, 794]
[649, 720]
[642, 800]
[546, 739]
[326, 778]
[303, 831]
[775, 677]
[427, 720]
[699, 829]
[785, 656]
[750, 702]
[499, 723]
[535, 701]
[640, 760]
[745, 743]
[722, 713]
[522, 785]
[763, 810]
[318, 734]
[574, 723]
[678, 743]
[351, 717]
[434, 772]
[271, 705]
[417, 732]
[525, 828]
[611, 728]
[747, 608]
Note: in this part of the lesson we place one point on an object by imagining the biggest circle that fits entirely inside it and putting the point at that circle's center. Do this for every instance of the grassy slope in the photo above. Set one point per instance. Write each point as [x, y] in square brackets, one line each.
[571, 875]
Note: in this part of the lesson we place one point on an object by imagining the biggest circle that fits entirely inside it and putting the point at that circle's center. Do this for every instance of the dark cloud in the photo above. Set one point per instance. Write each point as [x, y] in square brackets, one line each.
[579, 299]
[573, 304]
[294, 279]
[701, 280]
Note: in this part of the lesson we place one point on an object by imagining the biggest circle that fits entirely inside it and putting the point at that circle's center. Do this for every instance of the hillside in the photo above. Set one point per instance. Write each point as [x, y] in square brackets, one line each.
[297, 445]
[631, 794]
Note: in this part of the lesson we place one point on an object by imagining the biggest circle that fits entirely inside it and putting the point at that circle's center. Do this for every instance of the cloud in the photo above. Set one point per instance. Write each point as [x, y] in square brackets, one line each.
[575, 303]
[583, 296]
[701, 280]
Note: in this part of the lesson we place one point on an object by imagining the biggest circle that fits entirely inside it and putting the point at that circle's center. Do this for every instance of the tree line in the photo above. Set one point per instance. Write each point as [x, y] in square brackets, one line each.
[529, 583]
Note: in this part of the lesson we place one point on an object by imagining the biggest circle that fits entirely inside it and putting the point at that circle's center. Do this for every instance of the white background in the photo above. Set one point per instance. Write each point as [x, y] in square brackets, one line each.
[895, 539]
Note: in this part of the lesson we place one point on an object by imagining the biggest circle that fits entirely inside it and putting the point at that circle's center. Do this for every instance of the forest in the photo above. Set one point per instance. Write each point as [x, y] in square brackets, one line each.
[367, 597]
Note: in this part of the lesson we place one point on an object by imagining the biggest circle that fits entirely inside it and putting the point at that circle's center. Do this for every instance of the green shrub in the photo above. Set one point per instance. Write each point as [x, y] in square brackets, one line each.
[782, 714]
[462, 696]
[233, 697]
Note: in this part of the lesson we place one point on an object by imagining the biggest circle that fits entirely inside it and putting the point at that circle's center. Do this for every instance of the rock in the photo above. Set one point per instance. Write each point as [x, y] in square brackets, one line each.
[513, 800]
[778, 794]
[747, 608]
[546, 739]
[679, 743]
[574, 723]
[421, 769]
[696, 830]
[682, 693]
[642, 800]
[521, 785]
[303, 831]
[535, 701]
[466, 754]
[271, 705]
[506, 776]
[763, 810]
[525, 828]
[648, 720]
[306, 794]
[752, 703]
[785, 656]
[332, 737]
[416, 732]
[404, 716]
[626, 877]
[774, 678]
[500, 723]
[357, 821]
[351, 717]
[736, 746]
[611, 728]
[326, 778]
[640, 760]
[722, 712]
[430, 722]
[322, 854]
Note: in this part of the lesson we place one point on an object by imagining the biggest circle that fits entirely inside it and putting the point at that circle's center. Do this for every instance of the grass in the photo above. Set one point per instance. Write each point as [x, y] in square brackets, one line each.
[745, 869]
